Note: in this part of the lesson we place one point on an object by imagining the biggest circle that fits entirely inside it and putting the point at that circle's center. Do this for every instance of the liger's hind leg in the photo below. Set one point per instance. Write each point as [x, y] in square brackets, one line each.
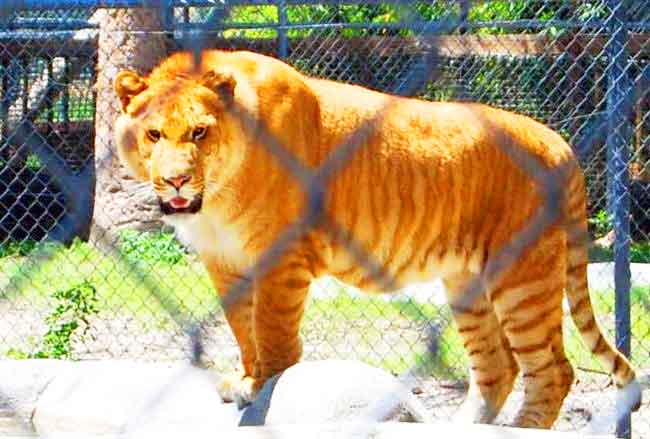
[492, 367]
[528, 304]
[565, 369]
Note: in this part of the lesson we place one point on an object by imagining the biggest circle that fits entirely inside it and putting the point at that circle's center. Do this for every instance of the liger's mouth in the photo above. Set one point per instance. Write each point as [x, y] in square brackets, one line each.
[180, 205]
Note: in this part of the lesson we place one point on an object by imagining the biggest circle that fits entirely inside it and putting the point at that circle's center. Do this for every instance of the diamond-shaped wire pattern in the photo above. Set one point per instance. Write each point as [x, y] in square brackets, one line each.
[70, 217]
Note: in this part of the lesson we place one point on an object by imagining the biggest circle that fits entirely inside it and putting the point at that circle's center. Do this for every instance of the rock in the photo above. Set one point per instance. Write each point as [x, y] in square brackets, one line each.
[333, 391]
[21, 384]
[119, 397]
[12, 426]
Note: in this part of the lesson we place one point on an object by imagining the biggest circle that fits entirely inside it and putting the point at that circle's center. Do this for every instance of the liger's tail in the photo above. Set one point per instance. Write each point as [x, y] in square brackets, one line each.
[582, 312]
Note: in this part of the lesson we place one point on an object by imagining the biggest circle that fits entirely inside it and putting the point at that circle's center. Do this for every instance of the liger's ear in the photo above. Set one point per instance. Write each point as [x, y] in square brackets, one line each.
[127, 85]
[222, 84]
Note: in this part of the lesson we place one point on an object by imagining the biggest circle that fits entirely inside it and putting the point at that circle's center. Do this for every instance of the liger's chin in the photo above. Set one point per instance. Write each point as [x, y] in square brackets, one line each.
[180, 205]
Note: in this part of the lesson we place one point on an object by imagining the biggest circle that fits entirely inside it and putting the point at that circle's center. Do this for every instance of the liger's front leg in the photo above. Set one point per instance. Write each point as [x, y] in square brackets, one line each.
[279, 305]
[238, 386]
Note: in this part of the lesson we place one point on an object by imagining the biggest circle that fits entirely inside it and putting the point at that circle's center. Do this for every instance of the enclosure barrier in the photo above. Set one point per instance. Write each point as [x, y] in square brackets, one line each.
[580, 67]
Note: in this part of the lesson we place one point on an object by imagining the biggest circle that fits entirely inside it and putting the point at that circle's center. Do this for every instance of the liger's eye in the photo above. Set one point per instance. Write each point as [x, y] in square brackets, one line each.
[199, 133]
[153, 135]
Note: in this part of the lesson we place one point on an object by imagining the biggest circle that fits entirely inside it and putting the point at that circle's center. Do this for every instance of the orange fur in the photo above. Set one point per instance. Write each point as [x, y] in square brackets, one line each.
[435, 190]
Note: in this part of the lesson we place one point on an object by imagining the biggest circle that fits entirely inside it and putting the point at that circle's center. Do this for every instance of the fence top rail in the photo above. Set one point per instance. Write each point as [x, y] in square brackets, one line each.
[82, 4]
[85, 4]
[69, 24]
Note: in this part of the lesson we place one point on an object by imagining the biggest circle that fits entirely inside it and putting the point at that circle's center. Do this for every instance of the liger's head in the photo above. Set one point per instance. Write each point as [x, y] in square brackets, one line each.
[177, 133]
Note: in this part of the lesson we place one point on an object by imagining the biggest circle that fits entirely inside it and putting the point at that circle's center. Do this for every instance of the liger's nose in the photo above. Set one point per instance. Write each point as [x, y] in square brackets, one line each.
[178, 181]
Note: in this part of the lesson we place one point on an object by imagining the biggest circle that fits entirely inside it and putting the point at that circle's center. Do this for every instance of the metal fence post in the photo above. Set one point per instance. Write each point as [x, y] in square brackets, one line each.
[4, 106]
[283, 42]
[167, 18]
[464, 15]
[64, 109]
[4, 87]
[619, 106]
[50, 105]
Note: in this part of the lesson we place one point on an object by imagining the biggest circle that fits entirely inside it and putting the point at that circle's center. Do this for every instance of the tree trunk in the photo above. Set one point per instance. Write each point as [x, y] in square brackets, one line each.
[128, 39]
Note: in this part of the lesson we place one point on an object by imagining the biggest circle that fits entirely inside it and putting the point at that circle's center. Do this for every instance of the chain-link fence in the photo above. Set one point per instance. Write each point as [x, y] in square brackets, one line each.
[88, 271]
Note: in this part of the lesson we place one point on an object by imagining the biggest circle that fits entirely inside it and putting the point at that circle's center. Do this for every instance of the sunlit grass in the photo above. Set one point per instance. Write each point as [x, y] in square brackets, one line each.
[144, 287]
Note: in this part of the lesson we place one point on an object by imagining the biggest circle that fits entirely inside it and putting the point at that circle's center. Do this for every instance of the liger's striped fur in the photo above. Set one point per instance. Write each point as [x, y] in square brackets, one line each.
[436, 190]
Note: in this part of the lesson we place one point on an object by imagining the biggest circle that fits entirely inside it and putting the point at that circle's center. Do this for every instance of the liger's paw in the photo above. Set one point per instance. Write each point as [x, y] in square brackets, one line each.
[238, 388]
[475, 410]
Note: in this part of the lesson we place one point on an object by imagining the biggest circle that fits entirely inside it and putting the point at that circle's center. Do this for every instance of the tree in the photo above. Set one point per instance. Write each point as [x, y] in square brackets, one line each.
[128, 39]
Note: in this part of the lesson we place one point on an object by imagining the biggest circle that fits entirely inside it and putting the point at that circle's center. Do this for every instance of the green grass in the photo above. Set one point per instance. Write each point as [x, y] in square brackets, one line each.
[603, 303]
[451, 362]
[152, 275]
[149, 277]
[362, 324]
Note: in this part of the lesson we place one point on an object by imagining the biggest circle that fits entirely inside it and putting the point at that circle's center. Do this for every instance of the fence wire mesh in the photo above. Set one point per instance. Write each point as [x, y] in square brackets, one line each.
[88, 271]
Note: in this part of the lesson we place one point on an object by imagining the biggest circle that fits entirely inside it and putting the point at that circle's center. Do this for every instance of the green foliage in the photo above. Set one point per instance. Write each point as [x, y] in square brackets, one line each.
[640, 252]
[81, 108]
[151, 247]
[601, 223]
[17, 248]
[510, 10]
[72, 309]
[376, 14]
[309, 14]
[33, 162]
[74, 306]
[499, 10]
[591, 10]
[440, 91]
[432, 11]
[250, 15]
[494, 10]
[17, 354]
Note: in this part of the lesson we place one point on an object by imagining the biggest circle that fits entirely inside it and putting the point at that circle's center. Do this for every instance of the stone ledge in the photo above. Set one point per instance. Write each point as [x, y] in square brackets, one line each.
[385, 430]
[109, 398]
